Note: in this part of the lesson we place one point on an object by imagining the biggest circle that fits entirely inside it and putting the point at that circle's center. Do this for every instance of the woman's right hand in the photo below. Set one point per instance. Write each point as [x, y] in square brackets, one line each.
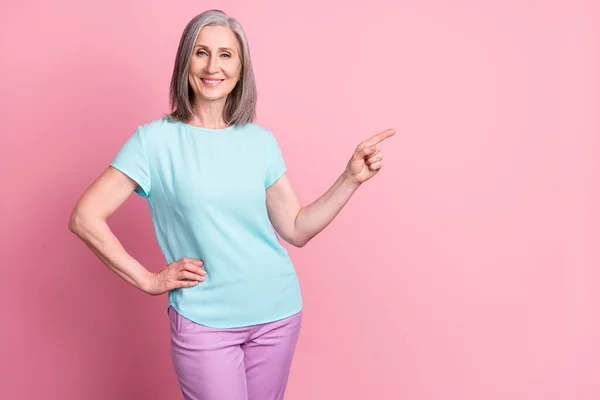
[172, 276]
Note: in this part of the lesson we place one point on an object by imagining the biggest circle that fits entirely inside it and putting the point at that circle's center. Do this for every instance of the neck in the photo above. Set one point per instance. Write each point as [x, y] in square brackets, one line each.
[208, 114]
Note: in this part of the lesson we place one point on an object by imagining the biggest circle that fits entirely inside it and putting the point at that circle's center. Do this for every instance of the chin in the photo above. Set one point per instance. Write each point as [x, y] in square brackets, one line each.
[214, 97]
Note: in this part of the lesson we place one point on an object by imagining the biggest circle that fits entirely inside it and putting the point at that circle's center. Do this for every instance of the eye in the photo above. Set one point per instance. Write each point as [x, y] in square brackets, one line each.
[226, 54]
[200, 51]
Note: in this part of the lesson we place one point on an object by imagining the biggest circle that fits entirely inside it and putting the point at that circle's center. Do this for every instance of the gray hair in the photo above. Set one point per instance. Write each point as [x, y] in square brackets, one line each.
[240, 106]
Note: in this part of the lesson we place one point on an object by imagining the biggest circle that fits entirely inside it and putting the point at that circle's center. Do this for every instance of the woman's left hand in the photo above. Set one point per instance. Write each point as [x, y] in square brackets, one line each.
[367, 159]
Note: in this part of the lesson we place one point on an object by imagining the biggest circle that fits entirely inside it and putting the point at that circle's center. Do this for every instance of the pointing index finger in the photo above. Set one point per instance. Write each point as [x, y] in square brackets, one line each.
[379, 137]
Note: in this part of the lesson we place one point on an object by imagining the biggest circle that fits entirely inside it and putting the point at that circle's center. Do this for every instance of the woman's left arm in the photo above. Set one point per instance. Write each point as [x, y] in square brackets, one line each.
[297, 224]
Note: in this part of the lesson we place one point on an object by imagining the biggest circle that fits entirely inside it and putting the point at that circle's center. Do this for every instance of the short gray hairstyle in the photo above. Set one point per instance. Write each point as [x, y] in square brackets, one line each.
[240, 106]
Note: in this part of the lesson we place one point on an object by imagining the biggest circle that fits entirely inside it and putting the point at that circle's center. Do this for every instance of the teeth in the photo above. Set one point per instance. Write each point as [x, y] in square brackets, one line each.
[211, 82]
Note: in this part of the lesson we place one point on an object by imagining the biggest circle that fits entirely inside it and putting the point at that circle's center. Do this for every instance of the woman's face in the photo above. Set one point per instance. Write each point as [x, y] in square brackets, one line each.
[215, 63]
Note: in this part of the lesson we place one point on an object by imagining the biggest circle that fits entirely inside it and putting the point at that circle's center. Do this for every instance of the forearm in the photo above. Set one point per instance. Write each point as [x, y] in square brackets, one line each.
[313, 218]
[96, 234]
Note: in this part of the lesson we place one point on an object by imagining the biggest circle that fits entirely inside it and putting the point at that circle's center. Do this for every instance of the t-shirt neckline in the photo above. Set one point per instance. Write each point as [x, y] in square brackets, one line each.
[208, 130]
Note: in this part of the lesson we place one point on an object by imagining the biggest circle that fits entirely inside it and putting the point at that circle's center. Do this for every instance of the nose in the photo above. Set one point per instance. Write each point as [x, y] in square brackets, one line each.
[212, 67]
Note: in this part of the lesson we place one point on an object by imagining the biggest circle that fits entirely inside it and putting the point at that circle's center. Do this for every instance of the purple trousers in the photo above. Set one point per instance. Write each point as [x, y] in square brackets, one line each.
[247, 363]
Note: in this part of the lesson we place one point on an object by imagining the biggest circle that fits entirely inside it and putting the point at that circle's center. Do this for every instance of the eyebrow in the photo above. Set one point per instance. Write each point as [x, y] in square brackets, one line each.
[220, 48]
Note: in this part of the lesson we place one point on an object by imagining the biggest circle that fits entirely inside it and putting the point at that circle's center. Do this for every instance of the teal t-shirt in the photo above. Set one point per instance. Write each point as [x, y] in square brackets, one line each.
[206, 190]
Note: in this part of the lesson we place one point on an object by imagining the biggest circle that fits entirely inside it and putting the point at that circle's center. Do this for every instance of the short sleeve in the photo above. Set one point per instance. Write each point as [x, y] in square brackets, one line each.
[276, 165]
[132, 160]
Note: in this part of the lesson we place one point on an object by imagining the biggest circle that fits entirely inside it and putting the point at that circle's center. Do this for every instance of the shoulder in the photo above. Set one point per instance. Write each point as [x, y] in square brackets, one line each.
[156, 132]
[155, 126]
[258, 133]
[254, 128]
[263, 132]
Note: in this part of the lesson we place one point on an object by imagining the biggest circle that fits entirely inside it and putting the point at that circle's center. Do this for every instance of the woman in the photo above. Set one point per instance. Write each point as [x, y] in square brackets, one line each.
[215, 182]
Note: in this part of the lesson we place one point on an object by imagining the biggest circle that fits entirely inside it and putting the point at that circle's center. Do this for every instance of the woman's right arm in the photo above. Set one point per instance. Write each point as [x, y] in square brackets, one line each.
[88, 221]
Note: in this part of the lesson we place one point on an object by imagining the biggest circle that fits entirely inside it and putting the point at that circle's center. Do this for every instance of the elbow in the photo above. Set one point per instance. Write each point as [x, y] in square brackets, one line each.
[298, 238]
[300, 242]
[75, 222]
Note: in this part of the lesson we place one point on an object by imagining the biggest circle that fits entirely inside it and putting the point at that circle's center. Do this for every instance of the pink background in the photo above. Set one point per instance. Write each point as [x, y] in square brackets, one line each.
[467, 269]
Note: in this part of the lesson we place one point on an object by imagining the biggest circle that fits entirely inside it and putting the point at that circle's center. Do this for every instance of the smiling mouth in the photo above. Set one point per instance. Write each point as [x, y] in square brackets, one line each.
[211, 82]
